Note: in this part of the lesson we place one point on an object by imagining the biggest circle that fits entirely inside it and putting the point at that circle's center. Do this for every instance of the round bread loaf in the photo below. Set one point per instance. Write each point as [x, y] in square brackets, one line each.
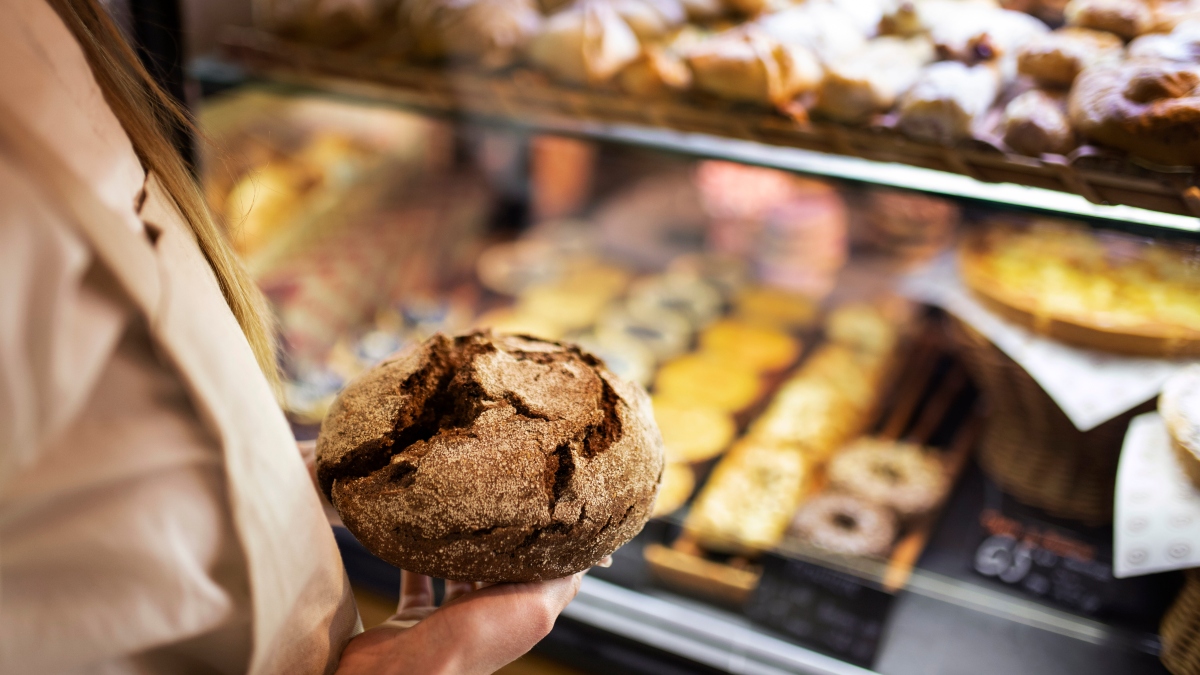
[491, 458]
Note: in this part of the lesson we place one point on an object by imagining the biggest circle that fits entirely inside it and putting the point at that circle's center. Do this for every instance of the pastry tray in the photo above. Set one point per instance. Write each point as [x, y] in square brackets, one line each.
[529, 98]
[933, 404]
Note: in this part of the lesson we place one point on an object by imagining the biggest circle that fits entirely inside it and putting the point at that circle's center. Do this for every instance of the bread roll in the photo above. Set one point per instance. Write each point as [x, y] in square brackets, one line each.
[869, 82]
[1055, 59]
[588, 43]
[491, 458]
[946, 100]
[1181, 45]
[1127, 18]
[1035, 123]
[744, 64]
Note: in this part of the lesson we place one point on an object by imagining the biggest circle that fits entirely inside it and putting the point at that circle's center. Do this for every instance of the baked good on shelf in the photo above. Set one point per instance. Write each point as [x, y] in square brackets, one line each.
[810, 415]
[856, 376]
[1055, 59]
[1050, 11]
[1148, 108]
[861, 85]
[1182, 44]
[665, 334]
[774, 306]
[1127, 18]
[703, 380]
[903, 477]
[948, 97]
[586, 43]
[691, 432]
[744, 64]
[687, 296]
[510, 321]
[971, 34]
[1179, 405]
[760, 347]
[820, 26]
[661, 68]
[650, 19]
[678, 481]
[1035, 123]
[490, 32]
[872, 327]
[845, 524]
[491, 458]
[570, 307]
[626, 357]
[1099, 291]
[749, 498]
[914, 17]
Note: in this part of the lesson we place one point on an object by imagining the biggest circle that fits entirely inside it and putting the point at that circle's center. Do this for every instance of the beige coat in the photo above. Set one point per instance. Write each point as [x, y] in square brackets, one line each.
[155, 515]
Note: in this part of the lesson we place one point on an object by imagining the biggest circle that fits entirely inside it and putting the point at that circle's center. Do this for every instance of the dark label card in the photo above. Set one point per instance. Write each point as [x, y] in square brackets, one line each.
[827, 610]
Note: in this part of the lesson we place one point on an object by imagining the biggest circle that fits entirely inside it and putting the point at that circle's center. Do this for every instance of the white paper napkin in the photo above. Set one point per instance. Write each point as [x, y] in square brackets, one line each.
[1090, 386]
[1156, 519]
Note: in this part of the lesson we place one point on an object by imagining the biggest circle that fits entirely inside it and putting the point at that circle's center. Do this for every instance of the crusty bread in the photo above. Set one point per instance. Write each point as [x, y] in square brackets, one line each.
[491, 458]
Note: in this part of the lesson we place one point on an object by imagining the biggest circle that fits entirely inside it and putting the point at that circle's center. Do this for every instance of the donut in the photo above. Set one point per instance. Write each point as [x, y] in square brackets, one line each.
[1149, 108]
[1055, 59]
[901, 476]
[845, 524]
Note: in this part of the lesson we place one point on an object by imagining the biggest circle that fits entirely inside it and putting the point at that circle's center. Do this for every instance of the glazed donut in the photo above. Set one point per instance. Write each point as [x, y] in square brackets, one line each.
[845, 524]
[1055, 59]
[1149, 108]
[900, 476]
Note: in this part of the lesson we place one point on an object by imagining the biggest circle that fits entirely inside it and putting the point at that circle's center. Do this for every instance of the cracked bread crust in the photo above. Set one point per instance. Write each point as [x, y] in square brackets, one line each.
[491, 458]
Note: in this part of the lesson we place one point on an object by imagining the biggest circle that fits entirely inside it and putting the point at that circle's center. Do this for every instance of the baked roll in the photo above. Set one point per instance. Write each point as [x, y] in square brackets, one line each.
[744, 64]
[1054, 59]
[588, 43]
[870, 81]
[969, 33]
[946, 100]
[650, 19]
[915, 17]
[1149, 108]
[662, 67]
[1035, 123]
[490, 32]
[1127, 18]
[1181, 45]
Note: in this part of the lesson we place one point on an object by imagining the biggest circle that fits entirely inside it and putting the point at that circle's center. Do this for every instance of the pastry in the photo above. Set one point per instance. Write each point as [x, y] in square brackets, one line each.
[775, 307]
[665, 334]
[744, 64]
[661, 69]
[867, 327]
[749, 498]
[909, 226]
[1179, 405]
[1055, 59]
[845, 524]
[1107, 292]
[946, 100]
[901, 476]
[702, 380]
[1035, 123]
[1126, 18]
[569, 307]
[1149, 108]
[688, 297]
[727, 273]
[489, 458]
[1181, 45]
[856, 376]
[861, 85]
[692, 433]
[650, 19]
[624, 356]
[973, 34]
[587, 43]
[822, 27]
[761, 348]
[490, 32]
[678, 481]
[809, 415]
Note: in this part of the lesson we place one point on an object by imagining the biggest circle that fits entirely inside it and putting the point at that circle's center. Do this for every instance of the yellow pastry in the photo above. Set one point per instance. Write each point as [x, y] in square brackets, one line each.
[702, 380]
[775, 307]
[514, 322]
[759, 347]
[692, 433]
[678, 481]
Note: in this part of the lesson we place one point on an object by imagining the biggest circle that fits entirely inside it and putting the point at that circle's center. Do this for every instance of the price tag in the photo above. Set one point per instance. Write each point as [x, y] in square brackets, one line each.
[824, 609]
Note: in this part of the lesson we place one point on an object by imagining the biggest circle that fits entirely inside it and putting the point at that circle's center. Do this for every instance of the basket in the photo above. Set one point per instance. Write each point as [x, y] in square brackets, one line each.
[1180, 629]
[1031, 448]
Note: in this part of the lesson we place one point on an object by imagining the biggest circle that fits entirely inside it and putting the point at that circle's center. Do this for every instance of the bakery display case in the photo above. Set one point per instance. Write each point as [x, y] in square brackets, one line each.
[904, 304]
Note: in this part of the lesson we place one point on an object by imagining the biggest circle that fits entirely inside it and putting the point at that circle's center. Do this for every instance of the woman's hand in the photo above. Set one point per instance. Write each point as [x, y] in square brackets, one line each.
[474, 632]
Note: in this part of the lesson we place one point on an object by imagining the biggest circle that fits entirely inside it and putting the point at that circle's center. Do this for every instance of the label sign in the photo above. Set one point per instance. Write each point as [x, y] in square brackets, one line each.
[824, 609]
[1043, 560]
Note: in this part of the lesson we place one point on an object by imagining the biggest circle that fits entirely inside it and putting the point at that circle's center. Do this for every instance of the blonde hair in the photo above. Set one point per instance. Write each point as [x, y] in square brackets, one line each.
[150, 117]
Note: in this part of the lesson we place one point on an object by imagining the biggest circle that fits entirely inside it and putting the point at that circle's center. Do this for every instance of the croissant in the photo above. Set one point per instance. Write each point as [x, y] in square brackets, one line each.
[587, 43]
[491, 32]
[744, 64]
